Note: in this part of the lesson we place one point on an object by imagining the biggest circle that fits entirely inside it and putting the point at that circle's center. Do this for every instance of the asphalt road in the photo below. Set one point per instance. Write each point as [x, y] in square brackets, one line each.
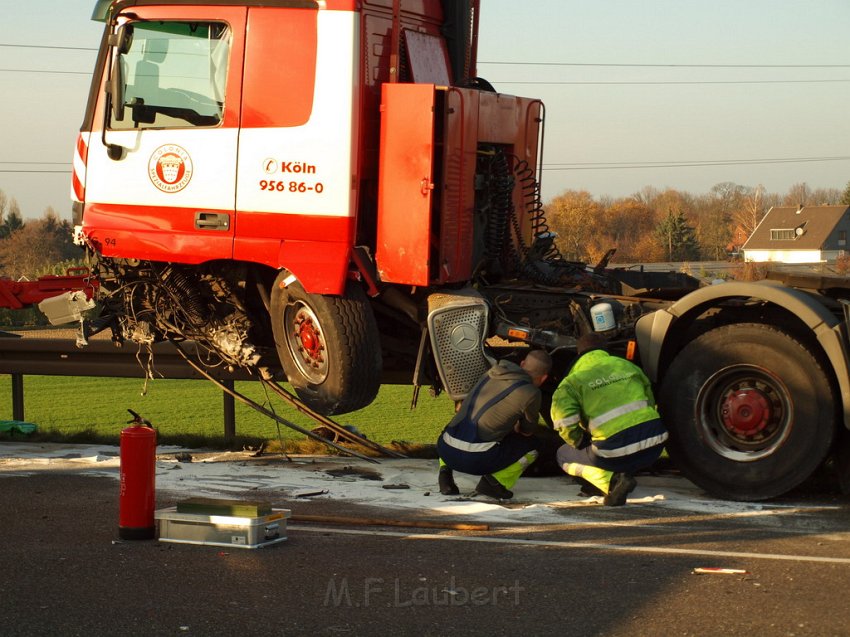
[602, 571]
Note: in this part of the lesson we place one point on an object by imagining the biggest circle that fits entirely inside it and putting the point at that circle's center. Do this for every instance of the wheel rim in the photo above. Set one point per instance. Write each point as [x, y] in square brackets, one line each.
[744, 413]
[306, 342]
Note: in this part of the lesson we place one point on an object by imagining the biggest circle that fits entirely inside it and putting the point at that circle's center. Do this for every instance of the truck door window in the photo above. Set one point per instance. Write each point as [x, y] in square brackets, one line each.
[174, 75]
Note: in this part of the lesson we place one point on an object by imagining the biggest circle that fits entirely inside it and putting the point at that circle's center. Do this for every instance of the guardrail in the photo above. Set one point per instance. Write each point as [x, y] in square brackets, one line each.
[61, 357]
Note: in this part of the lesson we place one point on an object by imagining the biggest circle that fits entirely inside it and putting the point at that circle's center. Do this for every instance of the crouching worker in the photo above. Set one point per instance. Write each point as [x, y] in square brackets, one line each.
[605, 412]
[491, 434]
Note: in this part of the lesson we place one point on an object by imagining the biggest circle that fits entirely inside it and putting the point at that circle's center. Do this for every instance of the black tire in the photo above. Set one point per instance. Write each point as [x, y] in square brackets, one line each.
[751, 413]
[328, 346]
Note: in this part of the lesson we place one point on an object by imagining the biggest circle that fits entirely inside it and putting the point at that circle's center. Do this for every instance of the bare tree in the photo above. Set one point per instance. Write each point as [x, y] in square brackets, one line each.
[825, 197]
[752, 209]
[728, 194]
[575, 216]
[714, 233]
[714, 224]
[647, 196]
[798, 195]
[672, 201]
[627, 220]
[36, 247]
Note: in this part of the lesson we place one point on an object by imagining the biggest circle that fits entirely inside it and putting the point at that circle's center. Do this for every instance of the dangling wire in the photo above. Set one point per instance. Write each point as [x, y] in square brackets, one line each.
[270, 407]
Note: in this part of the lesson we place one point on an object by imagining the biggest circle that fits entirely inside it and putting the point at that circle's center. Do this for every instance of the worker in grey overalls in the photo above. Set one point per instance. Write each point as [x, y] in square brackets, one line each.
[491, 434]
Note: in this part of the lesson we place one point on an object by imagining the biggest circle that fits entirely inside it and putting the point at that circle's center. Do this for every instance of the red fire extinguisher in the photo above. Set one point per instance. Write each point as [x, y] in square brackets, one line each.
[138, 473]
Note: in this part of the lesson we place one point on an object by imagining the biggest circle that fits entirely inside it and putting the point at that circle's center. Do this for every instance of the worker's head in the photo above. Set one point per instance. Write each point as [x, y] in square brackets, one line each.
[590, 341]
[537, 364]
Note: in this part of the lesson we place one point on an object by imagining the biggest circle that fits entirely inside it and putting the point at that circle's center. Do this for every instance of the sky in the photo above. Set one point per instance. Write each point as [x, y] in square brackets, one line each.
[683, 94]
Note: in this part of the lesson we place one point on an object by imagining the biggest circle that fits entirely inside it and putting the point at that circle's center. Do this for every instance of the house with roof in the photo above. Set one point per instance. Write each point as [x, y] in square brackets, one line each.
[802, 234]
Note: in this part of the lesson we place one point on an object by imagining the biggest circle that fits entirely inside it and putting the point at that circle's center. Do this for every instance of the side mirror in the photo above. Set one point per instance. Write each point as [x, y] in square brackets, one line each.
[122, 39]
[116, 88]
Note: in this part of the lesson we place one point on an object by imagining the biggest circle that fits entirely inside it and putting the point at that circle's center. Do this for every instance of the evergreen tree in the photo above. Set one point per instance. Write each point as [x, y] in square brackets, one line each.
[13, 220]
[845, 198]
[677, 237]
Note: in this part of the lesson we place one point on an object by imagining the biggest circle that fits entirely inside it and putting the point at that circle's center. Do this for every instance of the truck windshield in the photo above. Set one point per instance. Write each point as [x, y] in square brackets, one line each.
[174, 75]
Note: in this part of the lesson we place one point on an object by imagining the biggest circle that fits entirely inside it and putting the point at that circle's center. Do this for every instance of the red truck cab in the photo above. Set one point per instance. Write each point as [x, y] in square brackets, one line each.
[251, 131]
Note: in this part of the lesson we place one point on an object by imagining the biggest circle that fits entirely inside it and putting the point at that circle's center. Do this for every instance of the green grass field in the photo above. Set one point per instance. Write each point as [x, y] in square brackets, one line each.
[96, 408]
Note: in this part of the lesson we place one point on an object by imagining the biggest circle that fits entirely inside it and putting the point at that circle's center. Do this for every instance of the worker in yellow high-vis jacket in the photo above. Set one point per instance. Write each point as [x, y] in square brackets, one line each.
[605, 412]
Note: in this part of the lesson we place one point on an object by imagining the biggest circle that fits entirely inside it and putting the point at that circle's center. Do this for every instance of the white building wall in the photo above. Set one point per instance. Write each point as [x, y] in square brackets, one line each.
[785, 256]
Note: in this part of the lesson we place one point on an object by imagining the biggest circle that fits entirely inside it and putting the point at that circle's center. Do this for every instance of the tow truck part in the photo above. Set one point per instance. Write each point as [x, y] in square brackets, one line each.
[138, 489]
[19, 294]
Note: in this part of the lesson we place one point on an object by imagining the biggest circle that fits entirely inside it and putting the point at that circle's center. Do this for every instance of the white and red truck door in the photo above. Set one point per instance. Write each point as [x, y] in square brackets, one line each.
[169, 193]
[297, 166]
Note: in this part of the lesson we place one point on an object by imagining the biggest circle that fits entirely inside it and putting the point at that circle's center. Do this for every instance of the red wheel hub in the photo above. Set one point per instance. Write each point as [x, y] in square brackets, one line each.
[308, 334]
[746, 412]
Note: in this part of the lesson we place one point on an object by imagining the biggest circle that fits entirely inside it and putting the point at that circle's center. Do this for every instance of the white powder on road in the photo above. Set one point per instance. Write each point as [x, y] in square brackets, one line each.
[393, 483]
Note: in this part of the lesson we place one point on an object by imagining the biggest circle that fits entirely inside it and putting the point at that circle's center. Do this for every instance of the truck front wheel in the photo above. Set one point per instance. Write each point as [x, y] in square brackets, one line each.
[751, 412]
[328, 346]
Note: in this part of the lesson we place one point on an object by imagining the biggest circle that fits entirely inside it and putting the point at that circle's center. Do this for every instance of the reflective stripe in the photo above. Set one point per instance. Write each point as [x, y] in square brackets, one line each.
[563, 423]
[601, 419]
[528, 458]
[462, 445]
[573, 469]
[632, 448]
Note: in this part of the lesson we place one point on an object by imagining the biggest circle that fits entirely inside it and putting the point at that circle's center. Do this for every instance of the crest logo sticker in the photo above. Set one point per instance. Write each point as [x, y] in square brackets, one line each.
[170, 168]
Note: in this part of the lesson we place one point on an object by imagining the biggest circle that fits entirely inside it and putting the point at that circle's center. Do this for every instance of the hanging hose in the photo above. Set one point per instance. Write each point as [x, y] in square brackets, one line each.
[505, 248]
[540, 262]
[533, 204]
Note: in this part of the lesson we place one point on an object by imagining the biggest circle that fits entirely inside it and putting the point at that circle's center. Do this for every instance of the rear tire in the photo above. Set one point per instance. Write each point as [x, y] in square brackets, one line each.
[329, 346]
[751, 413]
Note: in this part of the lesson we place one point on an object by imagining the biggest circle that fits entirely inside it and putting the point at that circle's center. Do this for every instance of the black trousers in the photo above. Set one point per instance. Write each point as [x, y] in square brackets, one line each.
[478, 463]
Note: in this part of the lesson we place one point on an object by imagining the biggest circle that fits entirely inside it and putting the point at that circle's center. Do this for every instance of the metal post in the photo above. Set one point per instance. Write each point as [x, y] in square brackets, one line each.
[17, 397]
[229, 412]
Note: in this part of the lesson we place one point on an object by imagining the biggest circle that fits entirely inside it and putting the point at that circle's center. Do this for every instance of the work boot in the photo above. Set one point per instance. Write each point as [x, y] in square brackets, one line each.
[622, 484]
[447, 482]
[489, 486]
